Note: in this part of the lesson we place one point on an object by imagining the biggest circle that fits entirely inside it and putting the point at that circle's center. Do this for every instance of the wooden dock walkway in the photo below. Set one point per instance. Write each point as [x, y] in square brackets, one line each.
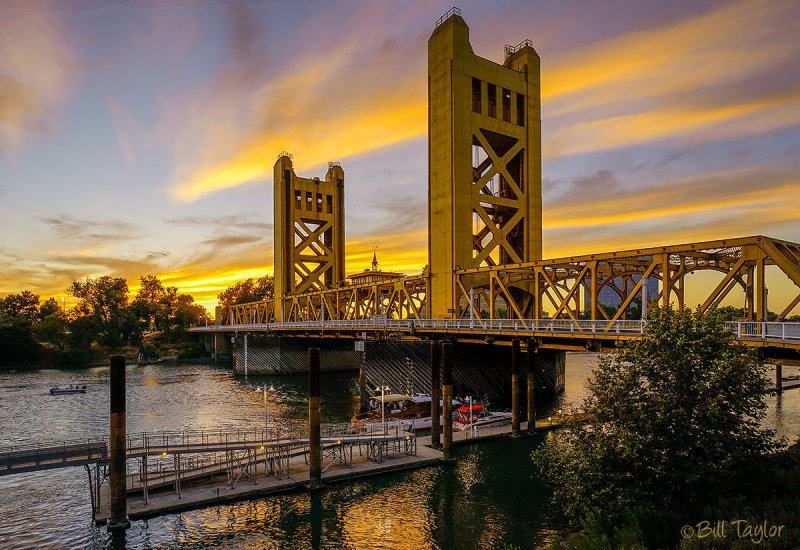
[213, 488]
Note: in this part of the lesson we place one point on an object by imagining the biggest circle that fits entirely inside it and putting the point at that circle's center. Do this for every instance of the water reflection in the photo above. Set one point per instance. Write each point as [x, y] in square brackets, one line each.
[489, 497]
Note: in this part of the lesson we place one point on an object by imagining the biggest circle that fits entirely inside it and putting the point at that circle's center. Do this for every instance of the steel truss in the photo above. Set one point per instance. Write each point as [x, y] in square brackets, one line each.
[402, 298]
[525, 289]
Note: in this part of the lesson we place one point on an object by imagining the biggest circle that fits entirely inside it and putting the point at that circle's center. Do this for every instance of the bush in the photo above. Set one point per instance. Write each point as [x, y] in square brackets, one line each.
[192, 352]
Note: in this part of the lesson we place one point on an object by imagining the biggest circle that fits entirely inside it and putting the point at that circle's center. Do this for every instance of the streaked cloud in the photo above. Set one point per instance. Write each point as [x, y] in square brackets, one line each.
[353, 99]
[36, 63]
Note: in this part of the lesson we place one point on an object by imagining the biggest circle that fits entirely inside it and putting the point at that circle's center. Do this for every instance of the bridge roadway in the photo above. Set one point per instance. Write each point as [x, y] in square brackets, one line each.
[46, 456]
[558, 332]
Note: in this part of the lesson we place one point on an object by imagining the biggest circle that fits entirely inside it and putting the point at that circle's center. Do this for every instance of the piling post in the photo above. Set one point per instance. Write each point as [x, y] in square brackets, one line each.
[778, 377]
[436, 412]
[515, 387]
[447, 399]
[531, 387]
[117, 479]
[314, 440]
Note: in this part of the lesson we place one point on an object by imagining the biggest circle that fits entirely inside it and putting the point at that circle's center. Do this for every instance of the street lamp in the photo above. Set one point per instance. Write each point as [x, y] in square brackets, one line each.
[383, 423]
[271, 390]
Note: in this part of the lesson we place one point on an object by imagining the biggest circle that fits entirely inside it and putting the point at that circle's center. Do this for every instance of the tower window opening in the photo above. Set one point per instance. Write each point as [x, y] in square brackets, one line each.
[476, 95]
[506, 105]
[319, 202]
[298, 199]
[491, 99]
[520, 110]
[329, 203]
[309, 201]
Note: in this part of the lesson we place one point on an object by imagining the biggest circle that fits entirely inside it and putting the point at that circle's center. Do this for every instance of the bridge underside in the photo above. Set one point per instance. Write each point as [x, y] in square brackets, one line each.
[403, 365]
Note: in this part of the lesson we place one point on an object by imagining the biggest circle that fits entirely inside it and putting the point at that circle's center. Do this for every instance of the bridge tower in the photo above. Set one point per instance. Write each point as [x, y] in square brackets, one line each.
[484, 159]
[309, 231]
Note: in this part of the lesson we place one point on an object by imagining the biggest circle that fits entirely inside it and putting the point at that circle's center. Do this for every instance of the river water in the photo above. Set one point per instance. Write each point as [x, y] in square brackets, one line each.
[488, 499]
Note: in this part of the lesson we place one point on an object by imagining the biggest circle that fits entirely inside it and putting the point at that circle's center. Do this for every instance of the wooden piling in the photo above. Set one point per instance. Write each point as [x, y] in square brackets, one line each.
[531, 387]
[314, 440]
[778, 377]
[117, 478]
[447, 399]
[515, 387]
[436, 412]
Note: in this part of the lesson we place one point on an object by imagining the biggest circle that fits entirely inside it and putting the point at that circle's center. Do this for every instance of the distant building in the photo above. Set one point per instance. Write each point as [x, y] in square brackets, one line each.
[373, 275]
[609, 297]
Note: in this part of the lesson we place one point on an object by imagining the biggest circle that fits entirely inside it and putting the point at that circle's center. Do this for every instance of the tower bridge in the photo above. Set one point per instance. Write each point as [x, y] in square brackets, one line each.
[486, 283]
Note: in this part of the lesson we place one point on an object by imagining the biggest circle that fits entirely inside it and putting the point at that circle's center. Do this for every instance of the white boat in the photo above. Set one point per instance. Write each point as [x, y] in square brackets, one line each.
[480, 417]
[408, 411]
[71, 389]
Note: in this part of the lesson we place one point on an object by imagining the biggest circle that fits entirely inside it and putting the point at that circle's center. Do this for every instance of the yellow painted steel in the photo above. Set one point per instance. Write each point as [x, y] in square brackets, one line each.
[309, 231]
[484, 160]
[484, 222]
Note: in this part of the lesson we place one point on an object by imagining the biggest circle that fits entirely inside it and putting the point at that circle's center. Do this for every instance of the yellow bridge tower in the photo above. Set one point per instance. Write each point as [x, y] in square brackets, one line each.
[309, 231]
[484, 160]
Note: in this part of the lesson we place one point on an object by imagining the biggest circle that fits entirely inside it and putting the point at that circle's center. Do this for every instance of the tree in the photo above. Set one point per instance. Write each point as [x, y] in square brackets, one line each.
[164, 307]
[52, 329]
[23, 305]
[671, 422]
[249, 290]
[103, 302]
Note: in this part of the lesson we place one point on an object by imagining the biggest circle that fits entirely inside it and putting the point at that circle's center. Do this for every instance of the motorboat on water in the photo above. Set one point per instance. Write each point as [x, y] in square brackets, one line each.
[410, 411]
[70, 389]
[478, 416]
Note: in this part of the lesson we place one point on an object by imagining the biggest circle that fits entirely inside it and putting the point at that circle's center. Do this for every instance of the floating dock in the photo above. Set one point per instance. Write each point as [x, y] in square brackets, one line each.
[214, 488]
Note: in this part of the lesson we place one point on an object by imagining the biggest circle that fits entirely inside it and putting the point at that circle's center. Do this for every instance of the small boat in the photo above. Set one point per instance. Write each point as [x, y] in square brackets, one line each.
[408, 410]
[480, 417]
[70, 389]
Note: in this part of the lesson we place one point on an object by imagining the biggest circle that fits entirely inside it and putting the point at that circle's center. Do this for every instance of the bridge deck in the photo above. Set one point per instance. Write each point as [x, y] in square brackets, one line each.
[781, 334]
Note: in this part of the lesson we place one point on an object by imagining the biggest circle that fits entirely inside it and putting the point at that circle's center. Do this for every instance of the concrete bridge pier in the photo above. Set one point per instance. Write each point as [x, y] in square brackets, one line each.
[515, 388]
[222, 345]
[531, 357]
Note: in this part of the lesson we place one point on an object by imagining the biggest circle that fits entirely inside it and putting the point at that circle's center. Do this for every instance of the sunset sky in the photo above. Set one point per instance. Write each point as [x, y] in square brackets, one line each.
[139, 137]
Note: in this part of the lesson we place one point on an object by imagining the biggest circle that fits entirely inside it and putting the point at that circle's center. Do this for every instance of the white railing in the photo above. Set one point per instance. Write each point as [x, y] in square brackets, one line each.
[745, 330]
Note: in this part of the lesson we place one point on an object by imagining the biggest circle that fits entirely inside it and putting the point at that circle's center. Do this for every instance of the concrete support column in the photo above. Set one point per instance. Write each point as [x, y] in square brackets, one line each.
[447, 399]
[363, 399]
[436, 412]
[531, 387]
[779, 377]
[314, 442]
[117, 479]
[515, 387]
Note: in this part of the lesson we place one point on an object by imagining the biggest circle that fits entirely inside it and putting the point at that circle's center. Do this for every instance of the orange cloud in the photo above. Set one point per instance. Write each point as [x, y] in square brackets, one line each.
[723, 46]
[355, 98]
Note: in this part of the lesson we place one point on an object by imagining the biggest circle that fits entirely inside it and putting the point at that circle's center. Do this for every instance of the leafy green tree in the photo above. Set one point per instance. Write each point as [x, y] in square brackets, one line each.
[52, 329]
[103, 303]
[164, 307]
[249, 290]
[671, 422]
[23, 305]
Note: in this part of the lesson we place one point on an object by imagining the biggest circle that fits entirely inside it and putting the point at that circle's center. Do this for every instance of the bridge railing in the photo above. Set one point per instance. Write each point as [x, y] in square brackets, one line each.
[744, 329]
[765, 330]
